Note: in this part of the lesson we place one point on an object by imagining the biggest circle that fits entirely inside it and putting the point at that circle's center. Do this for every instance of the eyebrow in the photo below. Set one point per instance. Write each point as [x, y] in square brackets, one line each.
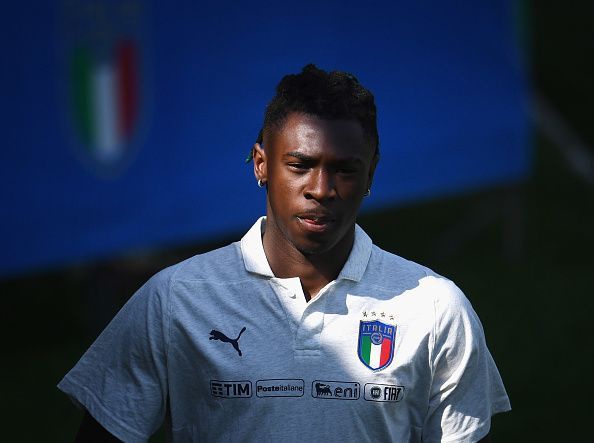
[307, 158]
[299, 155]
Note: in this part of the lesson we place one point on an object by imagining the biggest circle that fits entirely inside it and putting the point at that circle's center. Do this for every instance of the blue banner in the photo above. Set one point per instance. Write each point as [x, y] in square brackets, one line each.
[126, 123]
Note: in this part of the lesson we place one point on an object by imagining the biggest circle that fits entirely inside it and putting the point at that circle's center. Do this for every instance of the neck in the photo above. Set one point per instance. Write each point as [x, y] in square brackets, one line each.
[314, 270]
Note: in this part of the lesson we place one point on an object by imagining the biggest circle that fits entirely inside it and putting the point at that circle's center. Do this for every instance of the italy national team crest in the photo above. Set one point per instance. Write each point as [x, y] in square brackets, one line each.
[376, 344]
[104, 57]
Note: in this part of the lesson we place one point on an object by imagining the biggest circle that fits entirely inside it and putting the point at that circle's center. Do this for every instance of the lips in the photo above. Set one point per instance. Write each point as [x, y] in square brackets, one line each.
[315, 221]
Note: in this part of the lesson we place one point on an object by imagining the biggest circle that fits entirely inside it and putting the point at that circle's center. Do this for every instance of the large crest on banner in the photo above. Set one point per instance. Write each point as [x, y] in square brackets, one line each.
[376, 344]
[104, 74]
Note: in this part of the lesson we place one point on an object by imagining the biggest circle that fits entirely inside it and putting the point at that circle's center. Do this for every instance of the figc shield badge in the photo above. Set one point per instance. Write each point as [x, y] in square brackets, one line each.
[376, 344]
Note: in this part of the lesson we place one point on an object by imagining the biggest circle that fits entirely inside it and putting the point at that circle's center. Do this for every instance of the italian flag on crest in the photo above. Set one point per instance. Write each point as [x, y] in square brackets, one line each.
[105, 98]
[376, 344]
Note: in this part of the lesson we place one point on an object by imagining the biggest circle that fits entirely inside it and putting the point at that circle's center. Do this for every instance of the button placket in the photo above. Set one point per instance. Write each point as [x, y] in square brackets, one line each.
[287, 291]
[312, 322]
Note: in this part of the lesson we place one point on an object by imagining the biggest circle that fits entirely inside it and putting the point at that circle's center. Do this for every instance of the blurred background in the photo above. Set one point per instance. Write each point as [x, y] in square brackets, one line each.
[125, 125]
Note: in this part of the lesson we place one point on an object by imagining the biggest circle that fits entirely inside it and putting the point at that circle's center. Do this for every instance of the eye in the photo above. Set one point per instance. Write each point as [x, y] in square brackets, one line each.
[347, 169]
[298, 166]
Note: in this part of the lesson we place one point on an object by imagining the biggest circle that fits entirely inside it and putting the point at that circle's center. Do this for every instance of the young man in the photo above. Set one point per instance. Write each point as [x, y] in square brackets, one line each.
[303, 330]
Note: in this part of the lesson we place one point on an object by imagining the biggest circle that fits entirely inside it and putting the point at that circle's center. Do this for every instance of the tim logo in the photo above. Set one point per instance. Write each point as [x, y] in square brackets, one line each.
[231, 389]
[387, 393]
[336, 390]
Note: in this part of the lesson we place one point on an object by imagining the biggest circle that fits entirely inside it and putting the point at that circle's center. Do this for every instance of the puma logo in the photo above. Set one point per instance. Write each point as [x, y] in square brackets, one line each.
[216, 335]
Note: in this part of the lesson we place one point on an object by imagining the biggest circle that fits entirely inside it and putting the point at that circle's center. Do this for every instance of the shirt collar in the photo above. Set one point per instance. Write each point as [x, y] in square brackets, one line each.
[256, 262]
[252, 250]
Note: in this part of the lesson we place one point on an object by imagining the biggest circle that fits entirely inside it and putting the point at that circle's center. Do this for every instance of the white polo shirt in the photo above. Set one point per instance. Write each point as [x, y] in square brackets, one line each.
[224, 351]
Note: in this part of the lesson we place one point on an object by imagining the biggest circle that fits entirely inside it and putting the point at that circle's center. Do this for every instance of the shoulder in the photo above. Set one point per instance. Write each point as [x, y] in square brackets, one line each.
[417, 287]
[186, 283]
[391, 270]
[222, 264]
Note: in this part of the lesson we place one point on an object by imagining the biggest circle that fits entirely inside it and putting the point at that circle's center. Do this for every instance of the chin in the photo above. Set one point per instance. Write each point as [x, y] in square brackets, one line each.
[310, 252]
[314, 248]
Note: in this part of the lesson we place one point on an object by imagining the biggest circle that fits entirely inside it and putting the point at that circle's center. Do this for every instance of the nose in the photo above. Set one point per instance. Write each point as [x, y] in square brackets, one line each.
[321, 186]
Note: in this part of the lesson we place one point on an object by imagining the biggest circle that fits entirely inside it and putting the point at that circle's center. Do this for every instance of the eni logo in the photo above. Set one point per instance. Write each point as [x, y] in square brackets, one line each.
[336, 390]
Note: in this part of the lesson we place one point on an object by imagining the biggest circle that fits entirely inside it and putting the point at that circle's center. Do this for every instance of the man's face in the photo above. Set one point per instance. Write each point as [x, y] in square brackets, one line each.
[317, 172]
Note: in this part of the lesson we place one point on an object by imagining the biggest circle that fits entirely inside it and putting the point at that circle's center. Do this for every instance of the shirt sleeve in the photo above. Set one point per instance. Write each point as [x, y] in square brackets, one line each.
[122, 378]
[466, 388]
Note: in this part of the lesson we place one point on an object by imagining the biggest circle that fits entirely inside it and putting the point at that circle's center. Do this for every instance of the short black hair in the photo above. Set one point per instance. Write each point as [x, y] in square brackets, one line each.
[329, 95]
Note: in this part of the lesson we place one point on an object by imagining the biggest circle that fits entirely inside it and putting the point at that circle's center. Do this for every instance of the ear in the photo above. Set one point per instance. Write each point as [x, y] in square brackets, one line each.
[372, 167]
[260, 170]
